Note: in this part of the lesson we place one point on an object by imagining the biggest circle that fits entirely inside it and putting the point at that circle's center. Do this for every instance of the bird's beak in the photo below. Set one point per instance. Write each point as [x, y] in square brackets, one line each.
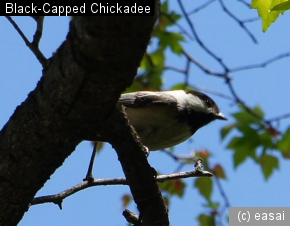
[221, 116]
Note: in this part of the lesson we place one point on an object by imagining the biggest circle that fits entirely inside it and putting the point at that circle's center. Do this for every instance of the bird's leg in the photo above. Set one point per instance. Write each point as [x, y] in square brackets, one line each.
[89, 177]
[198, 165]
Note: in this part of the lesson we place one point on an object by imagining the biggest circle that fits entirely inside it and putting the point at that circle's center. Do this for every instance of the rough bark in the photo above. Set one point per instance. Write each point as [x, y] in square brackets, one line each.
[74, 101]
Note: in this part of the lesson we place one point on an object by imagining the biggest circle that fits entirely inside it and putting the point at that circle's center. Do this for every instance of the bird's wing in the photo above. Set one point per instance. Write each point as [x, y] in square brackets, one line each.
[142, 99]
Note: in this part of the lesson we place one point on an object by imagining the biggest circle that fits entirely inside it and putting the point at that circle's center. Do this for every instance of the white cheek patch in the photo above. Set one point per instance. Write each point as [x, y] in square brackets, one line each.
[197, 104]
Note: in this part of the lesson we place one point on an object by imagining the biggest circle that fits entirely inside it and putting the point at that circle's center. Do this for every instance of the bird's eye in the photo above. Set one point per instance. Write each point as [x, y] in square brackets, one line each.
[208, 102]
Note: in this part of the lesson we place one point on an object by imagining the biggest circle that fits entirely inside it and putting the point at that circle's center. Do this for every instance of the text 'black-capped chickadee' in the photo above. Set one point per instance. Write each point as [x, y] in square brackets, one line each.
[167, 118]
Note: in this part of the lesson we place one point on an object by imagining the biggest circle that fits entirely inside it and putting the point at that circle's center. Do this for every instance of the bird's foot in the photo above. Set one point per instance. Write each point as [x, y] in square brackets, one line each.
[198, 165]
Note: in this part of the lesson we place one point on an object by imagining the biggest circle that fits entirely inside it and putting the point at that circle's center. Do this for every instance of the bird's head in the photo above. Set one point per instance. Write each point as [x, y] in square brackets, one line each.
[198, 110]
[202, 103]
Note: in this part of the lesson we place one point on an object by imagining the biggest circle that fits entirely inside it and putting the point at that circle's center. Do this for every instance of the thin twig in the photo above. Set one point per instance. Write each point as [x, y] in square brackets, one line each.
[238, 21]
[224, 196]
[278, 118]
[180, 158]
[246, 107]
[200, 7]
[222, 192]
[41, 58]
[57, 198]
[183, 159]
[198, 39]
[261, 65]
[38, 32]
[245, 3]
[172, 68]
[186, 74]
[250, 20]
[213, 92]
[201, 66]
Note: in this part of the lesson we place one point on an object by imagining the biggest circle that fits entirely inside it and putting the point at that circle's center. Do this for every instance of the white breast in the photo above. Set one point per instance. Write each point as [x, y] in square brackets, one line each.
[158, 127]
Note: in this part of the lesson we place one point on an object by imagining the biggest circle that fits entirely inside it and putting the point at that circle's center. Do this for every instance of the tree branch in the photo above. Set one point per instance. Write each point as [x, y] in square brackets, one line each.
[38, 32]
[260, 65]
[198, 39]
[68, 105]
[34, 45]
[250, 20]
[245, 3]
[278, 118]
[242, 25]
[203, 6]
[130, 217]
[173, 68]
[201, 66]
[58, 198]
[89, 176]
[138, 172]
[213, 92]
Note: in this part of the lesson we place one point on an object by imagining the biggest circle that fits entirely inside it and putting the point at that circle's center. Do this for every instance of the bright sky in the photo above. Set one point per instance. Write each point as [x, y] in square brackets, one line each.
[269, 87]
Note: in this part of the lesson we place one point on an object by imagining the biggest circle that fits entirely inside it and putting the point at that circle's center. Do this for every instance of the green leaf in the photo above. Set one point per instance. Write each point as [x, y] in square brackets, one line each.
[246, 142]
[152, 66]
[205, 220]
[164, 7]
[284, 144]
[205, 186]
[100, 146]
[126, 199]
[282, 7]
[136, 86]
[251, 137]
[219, 172]
[166, 18]
[173, 18]
[264, 7]
[227, 129]
[235, 143]
[212, 205]
[166, 201]
[171, 40]
[258, 111]
[268, 164]
[244, 117]
[240, 156]
[173, 187]
[155, 79]
[157, 58]
[266, 140]
[243, 149]
[175, 45]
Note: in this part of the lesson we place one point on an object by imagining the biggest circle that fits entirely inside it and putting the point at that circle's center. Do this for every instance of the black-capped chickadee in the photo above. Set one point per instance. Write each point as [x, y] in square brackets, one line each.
[167, 118]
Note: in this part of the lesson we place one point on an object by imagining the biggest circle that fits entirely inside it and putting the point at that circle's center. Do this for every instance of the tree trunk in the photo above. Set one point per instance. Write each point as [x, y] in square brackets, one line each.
[77, 92]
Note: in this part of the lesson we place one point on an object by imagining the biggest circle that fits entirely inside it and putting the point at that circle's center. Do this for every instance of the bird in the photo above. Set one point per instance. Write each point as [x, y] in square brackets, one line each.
[166, 118]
